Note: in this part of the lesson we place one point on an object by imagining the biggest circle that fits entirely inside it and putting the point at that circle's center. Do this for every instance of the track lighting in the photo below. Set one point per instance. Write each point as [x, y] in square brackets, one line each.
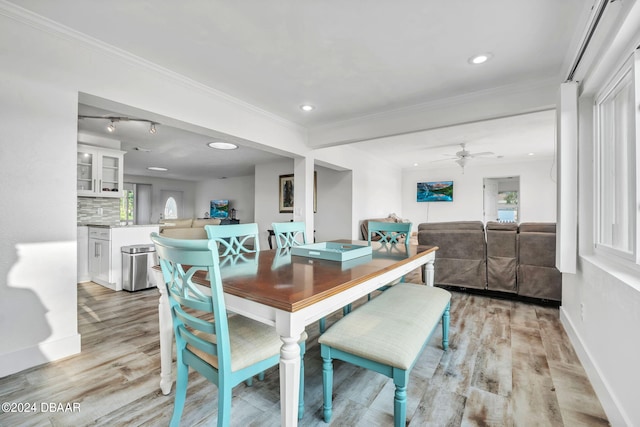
[113, 119]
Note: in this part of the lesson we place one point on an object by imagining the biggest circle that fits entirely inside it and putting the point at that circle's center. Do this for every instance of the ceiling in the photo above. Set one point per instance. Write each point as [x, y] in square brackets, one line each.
[349, 59]
[184, 153]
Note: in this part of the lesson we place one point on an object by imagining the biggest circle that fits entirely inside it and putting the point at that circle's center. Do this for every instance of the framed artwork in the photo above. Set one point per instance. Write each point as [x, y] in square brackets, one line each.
[219, 209]
[285, 198]
[441, 191]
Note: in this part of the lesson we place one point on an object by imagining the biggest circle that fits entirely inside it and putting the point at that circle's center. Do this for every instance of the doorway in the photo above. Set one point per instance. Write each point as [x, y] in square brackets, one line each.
[502, 199]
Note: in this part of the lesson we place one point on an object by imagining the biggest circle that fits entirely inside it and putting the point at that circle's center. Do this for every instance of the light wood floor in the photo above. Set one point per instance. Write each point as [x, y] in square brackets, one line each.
[509, 364]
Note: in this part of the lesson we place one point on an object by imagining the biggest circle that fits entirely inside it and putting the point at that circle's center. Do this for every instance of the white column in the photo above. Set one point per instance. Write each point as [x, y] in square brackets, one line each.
[303, 193]
[567, 195]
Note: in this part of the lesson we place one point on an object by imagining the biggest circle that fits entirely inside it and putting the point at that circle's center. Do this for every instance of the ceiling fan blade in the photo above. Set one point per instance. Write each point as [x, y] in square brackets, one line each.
[484, 153]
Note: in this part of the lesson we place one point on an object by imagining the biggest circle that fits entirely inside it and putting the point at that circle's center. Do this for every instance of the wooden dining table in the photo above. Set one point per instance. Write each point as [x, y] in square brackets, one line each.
[290, 292]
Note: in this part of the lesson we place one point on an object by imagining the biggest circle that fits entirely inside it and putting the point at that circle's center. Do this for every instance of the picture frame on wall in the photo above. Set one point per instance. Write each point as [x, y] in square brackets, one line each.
[285, 193]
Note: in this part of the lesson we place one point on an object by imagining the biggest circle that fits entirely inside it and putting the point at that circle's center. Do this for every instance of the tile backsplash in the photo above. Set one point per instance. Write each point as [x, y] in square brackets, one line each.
[98, 210]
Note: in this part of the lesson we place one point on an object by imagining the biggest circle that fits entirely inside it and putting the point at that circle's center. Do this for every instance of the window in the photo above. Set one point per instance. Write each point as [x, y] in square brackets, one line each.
[508, 206]
[615, 177]
[171, 209]
[127, 207]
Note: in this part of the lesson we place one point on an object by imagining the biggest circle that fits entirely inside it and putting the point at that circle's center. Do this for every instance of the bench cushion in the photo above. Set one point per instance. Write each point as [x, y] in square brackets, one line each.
[392, 328]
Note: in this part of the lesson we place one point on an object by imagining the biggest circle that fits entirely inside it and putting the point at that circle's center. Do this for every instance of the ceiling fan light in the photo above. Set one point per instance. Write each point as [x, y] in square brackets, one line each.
[462, 162]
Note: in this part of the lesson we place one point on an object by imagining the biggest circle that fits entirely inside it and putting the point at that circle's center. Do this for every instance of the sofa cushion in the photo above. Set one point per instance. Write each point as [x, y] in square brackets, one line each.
[452, 225]
[184, 233]
[205, 221]
[539, 227]
[178, 222]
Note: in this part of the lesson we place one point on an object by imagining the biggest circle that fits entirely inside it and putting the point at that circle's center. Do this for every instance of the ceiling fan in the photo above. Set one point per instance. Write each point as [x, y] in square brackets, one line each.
[463, 156]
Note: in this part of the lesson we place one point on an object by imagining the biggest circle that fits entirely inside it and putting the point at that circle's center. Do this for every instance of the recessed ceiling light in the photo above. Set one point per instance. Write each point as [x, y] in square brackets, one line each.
[531, 154]
[415, 164]
[219, 145]
[480, 59]
[307, 107]
[157, 168]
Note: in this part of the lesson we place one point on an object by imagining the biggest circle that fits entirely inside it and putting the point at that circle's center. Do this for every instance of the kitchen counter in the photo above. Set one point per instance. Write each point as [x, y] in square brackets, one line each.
[116, 225]
[105, 245]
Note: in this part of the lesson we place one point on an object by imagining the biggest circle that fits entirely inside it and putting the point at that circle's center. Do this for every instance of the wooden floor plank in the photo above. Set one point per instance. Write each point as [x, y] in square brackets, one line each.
[509, 363]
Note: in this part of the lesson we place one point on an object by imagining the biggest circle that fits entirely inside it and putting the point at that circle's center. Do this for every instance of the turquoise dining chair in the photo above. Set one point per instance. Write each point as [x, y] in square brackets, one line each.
[226, 350]
[289, 234]
[391, 233]
[234, 239]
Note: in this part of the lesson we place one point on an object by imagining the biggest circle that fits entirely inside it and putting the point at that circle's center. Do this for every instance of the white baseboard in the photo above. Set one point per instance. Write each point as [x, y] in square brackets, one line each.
[609, 403]
[45, 352]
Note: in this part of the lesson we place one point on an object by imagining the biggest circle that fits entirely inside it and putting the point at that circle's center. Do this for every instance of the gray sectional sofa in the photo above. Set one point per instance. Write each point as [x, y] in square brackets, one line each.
[503, 257]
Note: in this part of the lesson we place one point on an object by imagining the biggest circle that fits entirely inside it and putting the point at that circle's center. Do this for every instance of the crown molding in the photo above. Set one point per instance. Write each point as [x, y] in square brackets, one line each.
[57, 29]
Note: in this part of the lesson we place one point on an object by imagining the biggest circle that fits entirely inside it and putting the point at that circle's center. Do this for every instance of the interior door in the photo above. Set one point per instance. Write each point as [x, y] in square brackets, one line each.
[143, 204]
[490, 200]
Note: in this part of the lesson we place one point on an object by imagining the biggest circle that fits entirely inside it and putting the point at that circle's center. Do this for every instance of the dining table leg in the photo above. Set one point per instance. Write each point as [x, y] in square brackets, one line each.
[429, 273]
[166, 334]
[289, 368]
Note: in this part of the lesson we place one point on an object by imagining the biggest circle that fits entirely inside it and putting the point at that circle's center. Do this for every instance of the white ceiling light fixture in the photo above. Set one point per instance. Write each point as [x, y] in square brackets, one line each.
[307, 107]
[157, 168]
[152, 128]
[112, 126]
[220, 145]
[462, 162]
[480, 59]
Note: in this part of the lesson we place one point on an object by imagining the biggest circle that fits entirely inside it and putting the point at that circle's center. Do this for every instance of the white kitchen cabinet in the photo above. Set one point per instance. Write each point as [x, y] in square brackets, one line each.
[83, 254]
[100, 171]
[100, 256]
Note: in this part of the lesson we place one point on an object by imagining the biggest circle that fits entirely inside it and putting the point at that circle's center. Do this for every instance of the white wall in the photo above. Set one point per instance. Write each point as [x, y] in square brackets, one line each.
[537, 192]
[266, 196]
[601, 302]
[335, 191]
[158, 185]
[601, 314]
[376, 190]
[40, 78]
[240, 191]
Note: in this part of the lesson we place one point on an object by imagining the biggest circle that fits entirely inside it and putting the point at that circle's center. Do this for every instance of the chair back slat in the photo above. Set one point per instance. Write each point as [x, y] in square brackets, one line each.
[289, 234]
[389, 232]
[234, 239]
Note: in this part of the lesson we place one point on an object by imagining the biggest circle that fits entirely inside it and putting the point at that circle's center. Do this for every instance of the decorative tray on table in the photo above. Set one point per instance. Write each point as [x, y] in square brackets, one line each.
[331, 251]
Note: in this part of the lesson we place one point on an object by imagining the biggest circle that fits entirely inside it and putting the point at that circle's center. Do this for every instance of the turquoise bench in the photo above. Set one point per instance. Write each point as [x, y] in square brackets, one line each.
[387, 336]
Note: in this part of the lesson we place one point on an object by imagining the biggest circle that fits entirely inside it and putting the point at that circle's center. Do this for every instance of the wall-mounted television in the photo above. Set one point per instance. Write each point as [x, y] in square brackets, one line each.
[219, 209]
[437, 191]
